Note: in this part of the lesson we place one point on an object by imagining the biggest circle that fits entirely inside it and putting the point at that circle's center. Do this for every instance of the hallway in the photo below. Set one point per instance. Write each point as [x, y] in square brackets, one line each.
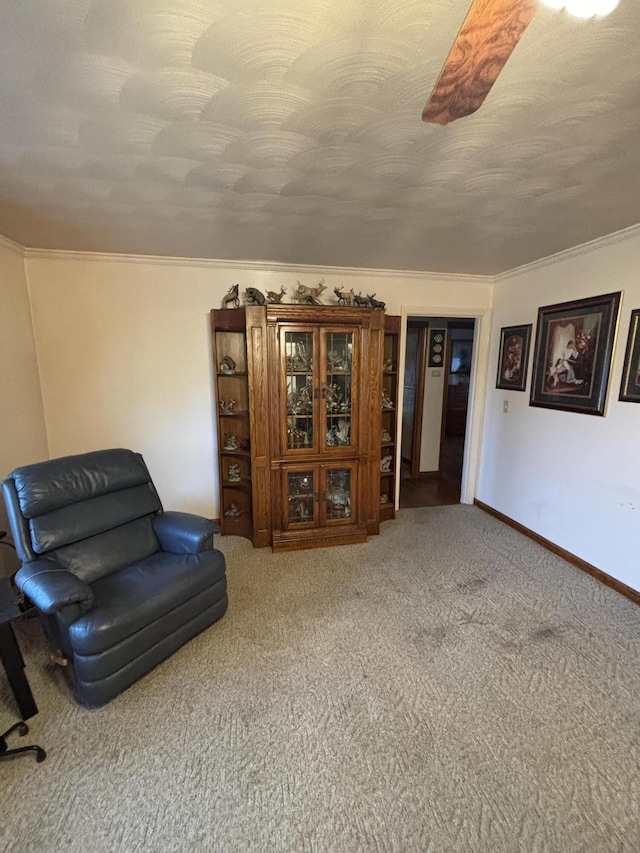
[435, 491]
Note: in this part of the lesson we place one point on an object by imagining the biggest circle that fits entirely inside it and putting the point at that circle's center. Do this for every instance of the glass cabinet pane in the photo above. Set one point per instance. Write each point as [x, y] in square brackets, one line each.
[338, 392]
[300, 496]
[338, 493]
[299, 379]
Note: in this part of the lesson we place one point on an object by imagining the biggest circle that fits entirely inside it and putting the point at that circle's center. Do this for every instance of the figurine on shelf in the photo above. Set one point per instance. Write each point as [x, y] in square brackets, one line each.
[387, 402]
[296, 437]
[337, 361]
[233, 474]
[384, 499]
[234, 511]
[334, 398]
[230, 442]
[275, 298]
[386, 436]
[361, 301]
[343, 431]
[302, 360]
[310, 295]
[230, 299]
[385, 463]
[302, 511]
[227, 365]
[253, 296]
[345, 297]
[375, 303]
[387, 365]
[226, 406]
[299, 402]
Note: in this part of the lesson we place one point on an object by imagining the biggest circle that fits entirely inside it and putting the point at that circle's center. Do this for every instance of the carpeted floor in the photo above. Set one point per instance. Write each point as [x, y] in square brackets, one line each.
[447, 686]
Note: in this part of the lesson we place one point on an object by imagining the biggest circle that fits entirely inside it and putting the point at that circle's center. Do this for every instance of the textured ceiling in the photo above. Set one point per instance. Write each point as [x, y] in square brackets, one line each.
[290, 130]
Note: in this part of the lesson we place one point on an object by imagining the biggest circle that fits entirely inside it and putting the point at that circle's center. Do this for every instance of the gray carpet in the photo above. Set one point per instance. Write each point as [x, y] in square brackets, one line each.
[447, 686]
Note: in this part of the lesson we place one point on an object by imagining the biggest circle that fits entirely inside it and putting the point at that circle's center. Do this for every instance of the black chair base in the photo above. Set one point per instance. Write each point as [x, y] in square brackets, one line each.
[22, 729]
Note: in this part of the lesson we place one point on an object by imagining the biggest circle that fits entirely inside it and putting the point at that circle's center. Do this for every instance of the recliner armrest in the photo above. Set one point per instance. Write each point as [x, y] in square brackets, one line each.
[51, 588]
[184, 533]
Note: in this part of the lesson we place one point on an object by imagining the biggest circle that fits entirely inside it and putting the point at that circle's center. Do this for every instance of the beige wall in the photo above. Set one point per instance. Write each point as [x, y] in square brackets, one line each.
[572, 478]
[22, 429]
[125, 352]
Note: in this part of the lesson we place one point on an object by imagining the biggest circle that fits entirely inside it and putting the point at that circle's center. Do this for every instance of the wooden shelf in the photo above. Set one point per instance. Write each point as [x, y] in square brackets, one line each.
[387, 479]
[232, 373]
[242, 453]
[243, 484]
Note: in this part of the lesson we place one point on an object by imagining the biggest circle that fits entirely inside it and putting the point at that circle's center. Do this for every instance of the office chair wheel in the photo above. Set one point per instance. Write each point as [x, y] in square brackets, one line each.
[22, 728]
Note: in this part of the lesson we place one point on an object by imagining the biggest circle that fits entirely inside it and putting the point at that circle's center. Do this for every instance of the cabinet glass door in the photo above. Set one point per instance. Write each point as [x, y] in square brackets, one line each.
[339, 485]
[337, 392]
[301, 498]
[299, 388]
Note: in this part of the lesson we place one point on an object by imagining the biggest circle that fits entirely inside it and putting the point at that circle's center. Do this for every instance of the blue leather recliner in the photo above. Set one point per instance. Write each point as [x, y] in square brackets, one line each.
[119, 583]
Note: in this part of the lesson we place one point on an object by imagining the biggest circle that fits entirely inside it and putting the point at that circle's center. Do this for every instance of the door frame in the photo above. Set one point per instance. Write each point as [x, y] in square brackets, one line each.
[477, 386]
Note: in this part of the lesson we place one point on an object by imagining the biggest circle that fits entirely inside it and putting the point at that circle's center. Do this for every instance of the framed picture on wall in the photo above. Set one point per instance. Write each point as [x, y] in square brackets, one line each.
[513, 359]
[630, 387]
[572, 359]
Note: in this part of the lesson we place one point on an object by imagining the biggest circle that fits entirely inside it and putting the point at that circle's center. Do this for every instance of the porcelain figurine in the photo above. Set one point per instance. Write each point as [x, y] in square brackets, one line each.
[226, 406]
[275, 298]
[227, 365]
[385, 463]
[231, 298]
[233, 474]
[233, 512]
[253, 296]
[230, 442]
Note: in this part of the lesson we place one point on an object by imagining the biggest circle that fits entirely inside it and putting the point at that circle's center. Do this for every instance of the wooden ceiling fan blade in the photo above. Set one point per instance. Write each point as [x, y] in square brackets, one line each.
[488, 37]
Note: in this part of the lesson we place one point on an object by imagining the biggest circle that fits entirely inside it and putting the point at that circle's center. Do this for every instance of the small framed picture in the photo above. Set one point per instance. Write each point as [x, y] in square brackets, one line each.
[630, 387]
[574, 348]
[513, 360]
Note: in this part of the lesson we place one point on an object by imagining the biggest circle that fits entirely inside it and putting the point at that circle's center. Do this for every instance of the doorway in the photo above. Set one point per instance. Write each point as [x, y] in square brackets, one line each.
[437, 374]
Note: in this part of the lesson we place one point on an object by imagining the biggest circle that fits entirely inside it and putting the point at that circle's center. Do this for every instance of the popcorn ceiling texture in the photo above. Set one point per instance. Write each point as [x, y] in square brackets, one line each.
[291, 131]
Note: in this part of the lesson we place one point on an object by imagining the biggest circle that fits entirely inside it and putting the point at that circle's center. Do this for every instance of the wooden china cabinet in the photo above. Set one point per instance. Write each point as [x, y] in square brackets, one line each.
[314, 391]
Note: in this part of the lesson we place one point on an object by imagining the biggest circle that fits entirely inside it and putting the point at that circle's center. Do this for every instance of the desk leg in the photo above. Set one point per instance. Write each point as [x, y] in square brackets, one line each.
[14, 667]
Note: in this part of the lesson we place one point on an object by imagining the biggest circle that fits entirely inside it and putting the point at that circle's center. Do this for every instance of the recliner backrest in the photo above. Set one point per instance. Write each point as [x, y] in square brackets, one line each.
[91, 512]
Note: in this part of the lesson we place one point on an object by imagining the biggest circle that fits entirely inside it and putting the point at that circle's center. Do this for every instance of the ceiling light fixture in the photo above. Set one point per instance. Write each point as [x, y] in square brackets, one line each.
[584, 8]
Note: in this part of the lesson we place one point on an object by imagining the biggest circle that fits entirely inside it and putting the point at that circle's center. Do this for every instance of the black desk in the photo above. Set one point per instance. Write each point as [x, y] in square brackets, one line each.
[10, 652]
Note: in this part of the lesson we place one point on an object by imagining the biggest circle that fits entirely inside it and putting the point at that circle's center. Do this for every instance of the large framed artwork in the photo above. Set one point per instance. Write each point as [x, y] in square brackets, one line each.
[572, 360]
[630, 387]
[514, 357]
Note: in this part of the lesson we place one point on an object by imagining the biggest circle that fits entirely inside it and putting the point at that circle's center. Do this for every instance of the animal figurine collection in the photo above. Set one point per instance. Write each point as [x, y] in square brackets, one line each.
[303, 294]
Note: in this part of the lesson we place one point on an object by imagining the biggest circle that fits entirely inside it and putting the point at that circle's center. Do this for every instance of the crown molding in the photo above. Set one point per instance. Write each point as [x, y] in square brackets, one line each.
[16, 248]
[314, 269]
[259, 266]
[582, 249]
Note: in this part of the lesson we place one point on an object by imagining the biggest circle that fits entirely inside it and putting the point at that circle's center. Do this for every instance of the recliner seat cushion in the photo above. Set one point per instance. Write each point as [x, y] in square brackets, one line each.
[133, 597]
